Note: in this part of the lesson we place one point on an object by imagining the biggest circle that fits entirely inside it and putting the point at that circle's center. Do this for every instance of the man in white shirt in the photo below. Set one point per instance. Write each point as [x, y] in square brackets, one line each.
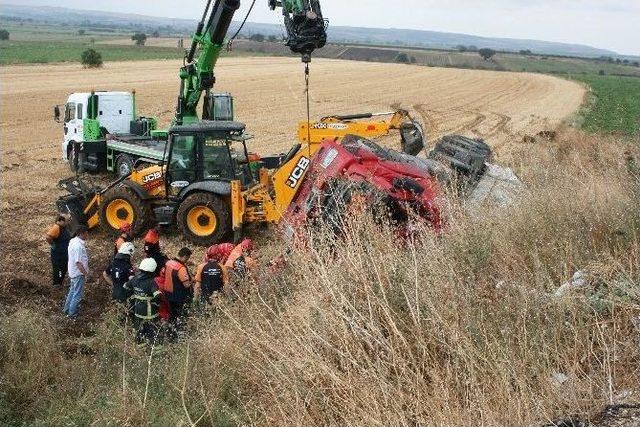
[78, 271]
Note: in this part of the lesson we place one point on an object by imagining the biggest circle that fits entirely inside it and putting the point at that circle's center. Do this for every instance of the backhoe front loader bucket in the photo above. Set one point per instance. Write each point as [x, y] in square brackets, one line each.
[81, 203]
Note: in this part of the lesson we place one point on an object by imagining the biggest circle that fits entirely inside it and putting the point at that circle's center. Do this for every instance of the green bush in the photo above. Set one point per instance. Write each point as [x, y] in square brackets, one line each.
[403, 58]
[4, 35]
[91, 58]
[139, 38]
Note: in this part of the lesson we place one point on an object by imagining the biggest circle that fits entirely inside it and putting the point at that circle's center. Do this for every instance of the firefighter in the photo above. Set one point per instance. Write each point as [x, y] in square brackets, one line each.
[125, 236]
[177, 284]
[145, 297]
[152, 247]
[58, 238]
[211, 275]
[240, 260]
[152, 238]
[119, 272]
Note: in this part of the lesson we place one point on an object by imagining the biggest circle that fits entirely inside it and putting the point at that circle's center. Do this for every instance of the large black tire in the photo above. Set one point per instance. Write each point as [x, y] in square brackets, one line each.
[122, 204]
[204, 219]
[466, 156]
[124, 165]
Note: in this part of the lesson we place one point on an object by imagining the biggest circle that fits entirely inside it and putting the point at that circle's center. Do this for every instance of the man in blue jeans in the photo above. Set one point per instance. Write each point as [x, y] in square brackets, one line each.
[78, 271]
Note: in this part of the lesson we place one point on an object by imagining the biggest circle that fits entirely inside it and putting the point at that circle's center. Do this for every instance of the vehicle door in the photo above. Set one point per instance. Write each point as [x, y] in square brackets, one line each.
[182, 163]
[217, 163]
[73, 128]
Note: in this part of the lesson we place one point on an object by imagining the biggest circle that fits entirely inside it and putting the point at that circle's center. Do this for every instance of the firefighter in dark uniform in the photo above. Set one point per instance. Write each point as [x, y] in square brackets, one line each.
[58, 237]
[120, 271]
[146, 300]
[152, 247]
[211, 275]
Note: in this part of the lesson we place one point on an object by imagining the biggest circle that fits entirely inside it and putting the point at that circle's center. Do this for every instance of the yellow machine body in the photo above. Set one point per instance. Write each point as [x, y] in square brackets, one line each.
[340, 126]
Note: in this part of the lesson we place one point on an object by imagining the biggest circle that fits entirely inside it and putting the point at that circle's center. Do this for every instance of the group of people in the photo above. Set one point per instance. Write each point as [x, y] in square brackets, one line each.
[161, 289]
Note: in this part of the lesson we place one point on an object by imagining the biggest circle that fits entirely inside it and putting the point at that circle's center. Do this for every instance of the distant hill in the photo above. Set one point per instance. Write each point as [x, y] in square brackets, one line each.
[378, 36]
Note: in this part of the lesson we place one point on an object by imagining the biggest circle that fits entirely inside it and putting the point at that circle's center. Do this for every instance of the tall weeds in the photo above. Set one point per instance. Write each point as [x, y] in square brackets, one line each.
[464, 328]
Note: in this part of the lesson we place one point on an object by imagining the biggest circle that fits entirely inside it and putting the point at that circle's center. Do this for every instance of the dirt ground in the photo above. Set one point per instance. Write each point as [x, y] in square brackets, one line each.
[269, 95]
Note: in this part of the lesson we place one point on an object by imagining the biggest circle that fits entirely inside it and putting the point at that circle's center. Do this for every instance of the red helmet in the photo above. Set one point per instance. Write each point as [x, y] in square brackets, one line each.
[219, 253]
[125, 228]
[246, 245]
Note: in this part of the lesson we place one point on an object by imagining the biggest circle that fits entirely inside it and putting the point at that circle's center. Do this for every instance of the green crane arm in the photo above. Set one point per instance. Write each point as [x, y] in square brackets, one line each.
[306, 31]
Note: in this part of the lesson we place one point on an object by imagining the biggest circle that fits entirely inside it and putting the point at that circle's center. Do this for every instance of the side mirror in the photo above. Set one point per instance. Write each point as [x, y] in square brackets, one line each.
[56, 113]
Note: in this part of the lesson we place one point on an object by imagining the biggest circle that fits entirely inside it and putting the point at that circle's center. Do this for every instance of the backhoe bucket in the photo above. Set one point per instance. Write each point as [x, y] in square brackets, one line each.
[412, 138]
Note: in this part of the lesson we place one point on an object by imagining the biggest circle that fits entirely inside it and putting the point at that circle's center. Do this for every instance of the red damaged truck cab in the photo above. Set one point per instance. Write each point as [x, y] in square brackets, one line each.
[341, 172]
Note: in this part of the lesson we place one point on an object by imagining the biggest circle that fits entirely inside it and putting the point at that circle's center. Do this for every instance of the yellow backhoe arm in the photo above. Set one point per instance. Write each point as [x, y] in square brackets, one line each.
[332, 127]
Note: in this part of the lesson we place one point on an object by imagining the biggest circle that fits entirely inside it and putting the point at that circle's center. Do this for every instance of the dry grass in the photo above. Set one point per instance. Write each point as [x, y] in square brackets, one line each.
[458, 329]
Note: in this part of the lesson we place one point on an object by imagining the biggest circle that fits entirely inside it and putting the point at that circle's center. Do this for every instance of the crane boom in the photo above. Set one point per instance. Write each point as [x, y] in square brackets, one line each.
[306, 31]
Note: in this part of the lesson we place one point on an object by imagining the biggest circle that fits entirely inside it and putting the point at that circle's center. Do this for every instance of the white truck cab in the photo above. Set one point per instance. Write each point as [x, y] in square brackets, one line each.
[115, 111]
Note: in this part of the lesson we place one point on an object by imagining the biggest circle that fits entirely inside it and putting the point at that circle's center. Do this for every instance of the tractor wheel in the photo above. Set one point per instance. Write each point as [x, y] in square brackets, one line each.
[204, 219]
[122, 205]
[124, 165]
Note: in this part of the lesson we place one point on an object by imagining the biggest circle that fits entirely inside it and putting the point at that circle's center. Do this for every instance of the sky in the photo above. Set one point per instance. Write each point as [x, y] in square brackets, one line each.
[608, 24]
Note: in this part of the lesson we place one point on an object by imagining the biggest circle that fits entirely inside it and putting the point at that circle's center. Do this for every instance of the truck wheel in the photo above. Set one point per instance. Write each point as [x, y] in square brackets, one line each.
[124, 165]
[122, 205]
[204, 219]
[72, 156]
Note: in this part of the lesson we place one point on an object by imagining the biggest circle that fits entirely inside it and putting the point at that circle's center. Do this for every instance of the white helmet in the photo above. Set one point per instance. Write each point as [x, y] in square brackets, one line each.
[127, 248]
[149, 265]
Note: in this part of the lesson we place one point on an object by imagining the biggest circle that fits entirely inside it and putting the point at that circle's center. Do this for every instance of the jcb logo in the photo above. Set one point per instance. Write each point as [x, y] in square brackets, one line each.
[151, 177]
[298, 172]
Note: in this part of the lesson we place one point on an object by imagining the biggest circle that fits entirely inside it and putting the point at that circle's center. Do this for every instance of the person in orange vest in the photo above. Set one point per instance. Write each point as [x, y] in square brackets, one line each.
[152, 247]
[58, 238]
[211, 275]
[240, 259]
[177, 284]
[125, 236]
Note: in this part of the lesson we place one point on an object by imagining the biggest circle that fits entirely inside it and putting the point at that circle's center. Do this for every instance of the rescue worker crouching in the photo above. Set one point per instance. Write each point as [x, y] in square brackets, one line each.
[146, 300]
[240, 260]
[211, 275]
[119, 272]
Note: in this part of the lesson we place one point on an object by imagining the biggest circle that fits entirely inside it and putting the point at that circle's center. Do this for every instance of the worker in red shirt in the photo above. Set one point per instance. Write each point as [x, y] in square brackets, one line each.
[240, 260]
[177, 284]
